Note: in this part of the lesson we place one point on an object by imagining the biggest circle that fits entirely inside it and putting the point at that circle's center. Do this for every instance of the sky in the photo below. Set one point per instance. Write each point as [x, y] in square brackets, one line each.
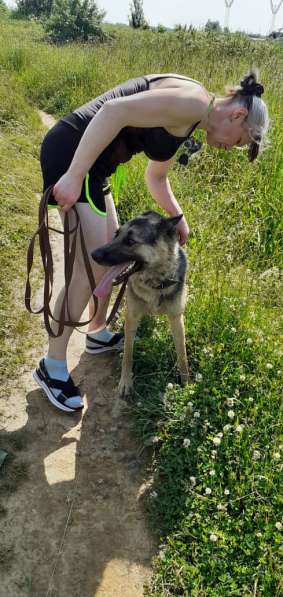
[252, 16]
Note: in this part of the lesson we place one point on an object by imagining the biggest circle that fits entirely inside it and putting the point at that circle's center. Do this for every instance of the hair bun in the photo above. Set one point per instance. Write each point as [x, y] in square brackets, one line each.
[250, 86]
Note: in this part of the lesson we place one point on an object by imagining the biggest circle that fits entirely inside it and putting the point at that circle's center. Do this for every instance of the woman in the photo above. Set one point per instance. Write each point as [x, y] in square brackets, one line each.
[154, 114]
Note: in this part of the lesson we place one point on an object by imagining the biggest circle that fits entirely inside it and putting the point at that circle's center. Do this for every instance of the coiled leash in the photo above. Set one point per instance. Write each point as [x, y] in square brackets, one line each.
[69, 257]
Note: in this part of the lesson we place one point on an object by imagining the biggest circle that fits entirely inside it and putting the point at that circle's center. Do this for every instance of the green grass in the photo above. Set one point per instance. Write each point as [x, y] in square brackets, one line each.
[233, 315]
[19, 142]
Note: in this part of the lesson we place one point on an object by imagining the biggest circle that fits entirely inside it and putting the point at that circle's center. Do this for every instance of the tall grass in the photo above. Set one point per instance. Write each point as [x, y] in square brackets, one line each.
[19, 140]
[215, 465]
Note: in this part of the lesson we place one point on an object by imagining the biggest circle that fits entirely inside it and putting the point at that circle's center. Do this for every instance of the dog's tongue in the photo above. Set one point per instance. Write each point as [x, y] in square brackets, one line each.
[105, 285]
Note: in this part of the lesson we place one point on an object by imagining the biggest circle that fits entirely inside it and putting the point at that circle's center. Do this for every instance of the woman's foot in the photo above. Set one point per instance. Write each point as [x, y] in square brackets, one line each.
[53, 377]
[104, 341]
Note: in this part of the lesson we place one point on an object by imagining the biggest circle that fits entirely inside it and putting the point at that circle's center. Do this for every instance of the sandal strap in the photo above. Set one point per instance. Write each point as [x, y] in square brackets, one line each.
[69, 390]
[114, 340]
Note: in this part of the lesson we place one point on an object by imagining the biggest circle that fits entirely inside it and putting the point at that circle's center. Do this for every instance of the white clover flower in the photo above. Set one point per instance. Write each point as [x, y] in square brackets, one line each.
[196, 414]
[208, 491]
[251, 399]
[256, 455]
[221, 507]
[212, 473]
[198, 377]
[153, 495]
[249, 341]
[193, 480]
[214, 452]
[259, 534]
[213, 537]
[242, 377]
[216, 441]
[276, 455]
[220, 434]
[226, 491]
[230, 401]
[278, 526]
[233, 330]
[190, 406]
[186, 442]
[227, 427]
[231, 414]
[139, 403]
[191, 391]
[170, 386]
[237, 392]
[239, 429]
[269, 366]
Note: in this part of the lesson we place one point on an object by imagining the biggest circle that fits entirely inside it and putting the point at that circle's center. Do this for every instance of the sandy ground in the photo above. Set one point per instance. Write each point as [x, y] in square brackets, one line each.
[75, 526]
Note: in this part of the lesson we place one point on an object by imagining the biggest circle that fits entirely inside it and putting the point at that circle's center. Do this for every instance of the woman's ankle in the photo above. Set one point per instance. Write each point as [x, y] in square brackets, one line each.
[96, 327]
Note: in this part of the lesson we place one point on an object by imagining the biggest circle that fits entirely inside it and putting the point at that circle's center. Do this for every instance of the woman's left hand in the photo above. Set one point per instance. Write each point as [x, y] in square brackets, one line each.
[183, 231]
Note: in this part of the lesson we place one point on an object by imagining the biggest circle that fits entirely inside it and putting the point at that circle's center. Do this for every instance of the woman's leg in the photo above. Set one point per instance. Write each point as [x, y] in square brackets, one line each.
[95, 230]
[98, 322]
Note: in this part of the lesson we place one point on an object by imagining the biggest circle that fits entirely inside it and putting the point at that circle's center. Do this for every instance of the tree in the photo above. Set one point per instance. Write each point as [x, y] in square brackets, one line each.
[4, 11]
[274, 9]
[74, 20]
[34, 8]
[137, 18]
[212, 26]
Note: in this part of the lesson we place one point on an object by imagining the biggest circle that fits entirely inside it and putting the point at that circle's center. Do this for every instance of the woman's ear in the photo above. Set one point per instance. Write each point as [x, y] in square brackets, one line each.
[239, 113]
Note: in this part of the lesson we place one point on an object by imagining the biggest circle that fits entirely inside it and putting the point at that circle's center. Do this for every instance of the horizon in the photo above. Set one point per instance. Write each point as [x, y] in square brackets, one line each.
[252, 17]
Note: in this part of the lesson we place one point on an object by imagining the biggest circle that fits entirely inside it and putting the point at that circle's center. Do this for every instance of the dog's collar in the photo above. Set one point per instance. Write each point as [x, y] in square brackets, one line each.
[165, 284]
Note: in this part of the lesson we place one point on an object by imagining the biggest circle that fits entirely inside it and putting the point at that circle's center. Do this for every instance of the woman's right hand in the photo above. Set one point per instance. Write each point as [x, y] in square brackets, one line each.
[67, 190]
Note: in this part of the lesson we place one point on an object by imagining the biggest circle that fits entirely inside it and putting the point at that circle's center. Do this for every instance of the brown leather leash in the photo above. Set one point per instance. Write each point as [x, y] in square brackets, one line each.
[69, 258]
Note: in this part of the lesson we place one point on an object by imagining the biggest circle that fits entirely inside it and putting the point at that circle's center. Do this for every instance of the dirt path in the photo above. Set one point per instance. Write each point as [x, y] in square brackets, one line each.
[75, 527]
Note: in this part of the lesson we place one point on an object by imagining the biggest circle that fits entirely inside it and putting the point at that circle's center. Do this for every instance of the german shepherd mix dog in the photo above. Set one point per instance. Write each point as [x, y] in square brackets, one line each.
[147, 249]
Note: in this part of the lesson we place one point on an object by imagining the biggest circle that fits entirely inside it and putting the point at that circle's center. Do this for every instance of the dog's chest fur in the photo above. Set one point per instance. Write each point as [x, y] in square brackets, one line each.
[160, 288]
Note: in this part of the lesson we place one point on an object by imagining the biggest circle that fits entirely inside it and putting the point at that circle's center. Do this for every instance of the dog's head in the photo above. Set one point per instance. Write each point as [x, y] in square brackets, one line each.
[136, 239]
[143, 241]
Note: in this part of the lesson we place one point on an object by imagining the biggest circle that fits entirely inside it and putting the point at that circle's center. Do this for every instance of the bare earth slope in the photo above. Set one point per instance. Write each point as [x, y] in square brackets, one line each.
[75, 527]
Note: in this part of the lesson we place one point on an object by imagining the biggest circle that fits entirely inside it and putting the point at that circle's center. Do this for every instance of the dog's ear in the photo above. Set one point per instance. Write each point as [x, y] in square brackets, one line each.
[175, 220]
[168, 225]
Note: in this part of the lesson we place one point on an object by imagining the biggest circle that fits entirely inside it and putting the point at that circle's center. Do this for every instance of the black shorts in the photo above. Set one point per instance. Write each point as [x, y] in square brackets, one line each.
[57, 151]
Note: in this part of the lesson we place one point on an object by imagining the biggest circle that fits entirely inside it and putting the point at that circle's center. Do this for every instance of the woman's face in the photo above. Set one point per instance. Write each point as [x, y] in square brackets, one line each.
[229, 131]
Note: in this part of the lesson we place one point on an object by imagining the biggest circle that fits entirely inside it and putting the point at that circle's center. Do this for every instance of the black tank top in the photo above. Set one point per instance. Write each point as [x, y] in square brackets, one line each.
[157, 143]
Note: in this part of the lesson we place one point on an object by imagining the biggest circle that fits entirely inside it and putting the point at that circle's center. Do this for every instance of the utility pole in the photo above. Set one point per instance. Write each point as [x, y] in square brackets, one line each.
[274, 9]
[228, 4]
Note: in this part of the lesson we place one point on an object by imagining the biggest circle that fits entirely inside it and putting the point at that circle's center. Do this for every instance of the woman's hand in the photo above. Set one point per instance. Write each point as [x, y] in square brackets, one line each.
[183, 231]
[67, 190]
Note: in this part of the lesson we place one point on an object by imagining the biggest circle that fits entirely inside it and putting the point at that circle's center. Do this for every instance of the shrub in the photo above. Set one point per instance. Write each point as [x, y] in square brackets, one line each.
[74, 20]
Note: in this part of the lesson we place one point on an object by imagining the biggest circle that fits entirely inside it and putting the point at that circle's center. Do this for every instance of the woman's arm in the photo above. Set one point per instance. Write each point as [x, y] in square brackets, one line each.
[159, 187]
[160, 107]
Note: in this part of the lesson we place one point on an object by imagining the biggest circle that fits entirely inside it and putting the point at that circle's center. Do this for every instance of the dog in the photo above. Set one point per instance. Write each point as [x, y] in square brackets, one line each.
[147, 250]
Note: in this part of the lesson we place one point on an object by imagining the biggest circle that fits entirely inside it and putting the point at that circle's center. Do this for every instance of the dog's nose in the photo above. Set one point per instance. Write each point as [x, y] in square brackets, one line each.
[97, 255]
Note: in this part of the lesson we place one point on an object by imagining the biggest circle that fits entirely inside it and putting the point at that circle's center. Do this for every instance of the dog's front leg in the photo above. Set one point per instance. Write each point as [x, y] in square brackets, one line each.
[178, 333]
[131, 326]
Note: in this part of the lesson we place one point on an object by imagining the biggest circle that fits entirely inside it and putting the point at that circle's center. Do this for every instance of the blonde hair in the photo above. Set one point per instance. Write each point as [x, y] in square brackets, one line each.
[248, 94]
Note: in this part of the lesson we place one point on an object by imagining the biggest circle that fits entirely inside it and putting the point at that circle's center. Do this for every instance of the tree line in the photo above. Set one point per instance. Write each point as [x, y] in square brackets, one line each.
[81, 20]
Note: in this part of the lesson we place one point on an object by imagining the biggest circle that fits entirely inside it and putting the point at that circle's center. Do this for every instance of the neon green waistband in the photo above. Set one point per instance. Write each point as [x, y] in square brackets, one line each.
[90, 201]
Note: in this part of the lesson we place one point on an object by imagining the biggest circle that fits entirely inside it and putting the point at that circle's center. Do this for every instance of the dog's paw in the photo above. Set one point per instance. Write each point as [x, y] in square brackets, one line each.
[125, 386]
